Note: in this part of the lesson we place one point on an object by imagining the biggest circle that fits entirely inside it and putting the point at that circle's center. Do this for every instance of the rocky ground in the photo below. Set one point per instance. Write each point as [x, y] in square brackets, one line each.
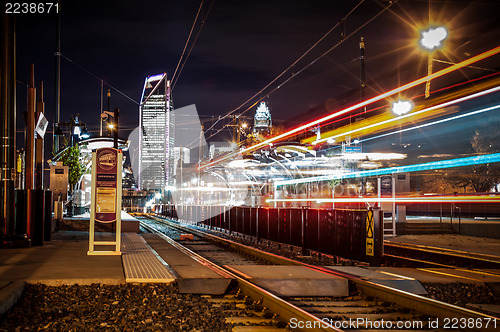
[126, 307]
[461, 293]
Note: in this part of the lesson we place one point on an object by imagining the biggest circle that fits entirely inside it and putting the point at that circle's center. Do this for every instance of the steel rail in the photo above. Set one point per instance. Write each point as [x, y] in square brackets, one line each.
[418, 303]
[445, 252]
[275, 304]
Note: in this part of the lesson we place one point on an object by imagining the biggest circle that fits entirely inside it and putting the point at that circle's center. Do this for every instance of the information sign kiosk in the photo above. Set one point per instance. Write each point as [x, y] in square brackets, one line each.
[106, 198]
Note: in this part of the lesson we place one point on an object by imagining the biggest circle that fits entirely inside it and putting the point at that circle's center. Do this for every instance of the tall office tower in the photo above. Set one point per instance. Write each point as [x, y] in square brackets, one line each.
[262, 119]
[156, 135]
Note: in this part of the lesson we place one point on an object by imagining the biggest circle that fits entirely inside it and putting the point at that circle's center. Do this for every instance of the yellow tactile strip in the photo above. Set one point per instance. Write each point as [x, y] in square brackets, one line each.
[140, 263]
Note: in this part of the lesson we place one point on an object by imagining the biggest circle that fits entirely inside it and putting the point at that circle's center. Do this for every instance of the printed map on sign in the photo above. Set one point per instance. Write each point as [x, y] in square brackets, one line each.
[106, 200]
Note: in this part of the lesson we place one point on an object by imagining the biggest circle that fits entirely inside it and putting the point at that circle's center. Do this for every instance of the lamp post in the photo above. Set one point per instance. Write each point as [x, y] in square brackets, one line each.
[75, 128]
[432, 40]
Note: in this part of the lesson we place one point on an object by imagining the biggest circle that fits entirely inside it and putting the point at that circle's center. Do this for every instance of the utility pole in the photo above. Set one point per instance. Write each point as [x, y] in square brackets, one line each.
[7, 123]
[100, 128]
[57, 89]
[40, 105]
[362, 89]
[362, 73]
[30, 131]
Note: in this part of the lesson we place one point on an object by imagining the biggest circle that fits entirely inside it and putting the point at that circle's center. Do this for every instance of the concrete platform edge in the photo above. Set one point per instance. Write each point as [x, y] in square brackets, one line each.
[10, 294]
[73, 281]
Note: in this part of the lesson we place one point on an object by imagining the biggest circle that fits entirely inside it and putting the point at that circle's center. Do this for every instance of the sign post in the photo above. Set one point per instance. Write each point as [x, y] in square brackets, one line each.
[106, 198]
[374, 236]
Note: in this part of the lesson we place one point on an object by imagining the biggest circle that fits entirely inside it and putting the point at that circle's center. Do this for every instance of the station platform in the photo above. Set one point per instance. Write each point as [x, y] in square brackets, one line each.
[479, 226]
[468, 244]
[64, 261]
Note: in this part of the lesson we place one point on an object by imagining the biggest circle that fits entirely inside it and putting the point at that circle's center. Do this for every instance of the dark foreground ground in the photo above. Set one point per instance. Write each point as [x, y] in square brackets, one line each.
[126, 307]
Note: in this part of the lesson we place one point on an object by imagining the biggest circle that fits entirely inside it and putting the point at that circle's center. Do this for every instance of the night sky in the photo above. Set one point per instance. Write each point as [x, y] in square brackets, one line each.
[242, 46]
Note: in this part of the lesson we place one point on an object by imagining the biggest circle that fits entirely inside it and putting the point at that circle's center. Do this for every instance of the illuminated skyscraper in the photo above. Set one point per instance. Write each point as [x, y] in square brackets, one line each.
[262, 119]
[156, 135]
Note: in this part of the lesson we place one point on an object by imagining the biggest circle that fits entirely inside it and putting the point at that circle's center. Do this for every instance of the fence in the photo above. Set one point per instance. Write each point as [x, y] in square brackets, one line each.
[337, 232]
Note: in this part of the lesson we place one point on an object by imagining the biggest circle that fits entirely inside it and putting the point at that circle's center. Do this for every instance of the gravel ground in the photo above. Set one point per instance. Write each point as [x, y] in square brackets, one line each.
[126, 307]
[460, 294]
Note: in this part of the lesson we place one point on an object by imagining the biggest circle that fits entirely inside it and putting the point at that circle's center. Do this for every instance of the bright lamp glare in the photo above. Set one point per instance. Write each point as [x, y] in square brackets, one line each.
[402, 107]
[433, 38]
[111, 126]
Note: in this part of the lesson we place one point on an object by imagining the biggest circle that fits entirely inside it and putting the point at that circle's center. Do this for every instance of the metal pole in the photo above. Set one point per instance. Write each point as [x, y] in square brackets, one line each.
[115, 129]
[30, 131]
[362, 78]
[40, 105]
[429, 72]
[100, 114]
[393, 204]
[57, 89]
[71, 126]
[7, 123]
[109, 106]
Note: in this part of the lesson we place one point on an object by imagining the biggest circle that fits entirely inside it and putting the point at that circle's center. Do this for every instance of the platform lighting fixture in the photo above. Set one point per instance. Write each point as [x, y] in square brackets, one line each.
[111, 126]
[85, 133]
[401, 107]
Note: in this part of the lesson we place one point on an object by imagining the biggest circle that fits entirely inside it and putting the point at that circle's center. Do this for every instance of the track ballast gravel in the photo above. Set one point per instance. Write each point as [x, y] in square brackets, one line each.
[125, 307]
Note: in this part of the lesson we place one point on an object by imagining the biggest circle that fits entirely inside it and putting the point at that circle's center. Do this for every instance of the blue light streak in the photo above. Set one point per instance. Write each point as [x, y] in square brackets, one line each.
[459, 162]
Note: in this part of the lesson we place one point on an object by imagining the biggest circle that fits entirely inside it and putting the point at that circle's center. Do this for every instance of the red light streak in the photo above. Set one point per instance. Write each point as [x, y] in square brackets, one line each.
[389, 93]
[399, 199]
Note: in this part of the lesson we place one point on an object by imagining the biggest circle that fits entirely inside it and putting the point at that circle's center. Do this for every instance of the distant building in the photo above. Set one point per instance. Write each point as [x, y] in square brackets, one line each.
[262, 120]
[156, 135]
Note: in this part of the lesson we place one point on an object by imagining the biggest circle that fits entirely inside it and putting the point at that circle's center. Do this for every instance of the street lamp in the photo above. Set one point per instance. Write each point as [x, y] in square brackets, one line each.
[401, 107]
[75, 128]
[85, 134]
[431, 40]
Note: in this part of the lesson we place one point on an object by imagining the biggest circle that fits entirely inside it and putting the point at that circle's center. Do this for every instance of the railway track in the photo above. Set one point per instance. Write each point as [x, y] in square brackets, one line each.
[368, 305]
[419, 256]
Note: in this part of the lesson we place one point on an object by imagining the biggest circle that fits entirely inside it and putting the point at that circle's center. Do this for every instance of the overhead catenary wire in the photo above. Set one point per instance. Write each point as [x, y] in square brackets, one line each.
[305, 67]
[100, 79]
[204, 18]
[289, 67]
[187, 41]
